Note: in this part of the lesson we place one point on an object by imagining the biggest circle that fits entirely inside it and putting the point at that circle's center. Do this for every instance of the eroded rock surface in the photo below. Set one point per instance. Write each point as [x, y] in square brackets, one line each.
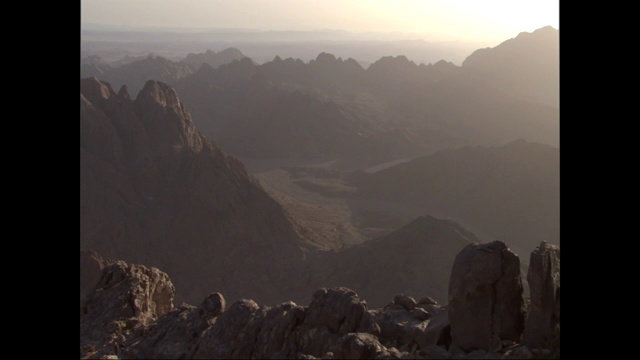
[486, 303]
[127, 298]
[130, 314]
[544, 285]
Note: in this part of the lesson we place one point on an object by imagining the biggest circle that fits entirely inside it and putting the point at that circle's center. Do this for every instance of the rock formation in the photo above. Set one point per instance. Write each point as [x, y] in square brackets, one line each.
[130, 314]
[544, 286]
[486, 303]
[126, 299]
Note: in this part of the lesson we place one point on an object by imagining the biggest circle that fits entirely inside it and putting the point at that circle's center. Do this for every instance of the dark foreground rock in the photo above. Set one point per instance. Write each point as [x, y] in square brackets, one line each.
[486, 303]
[126, 300]
[130, 314]
[544, 285]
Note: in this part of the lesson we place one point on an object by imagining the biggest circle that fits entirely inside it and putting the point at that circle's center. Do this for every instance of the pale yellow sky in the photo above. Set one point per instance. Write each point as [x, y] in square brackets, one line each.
[480, 20]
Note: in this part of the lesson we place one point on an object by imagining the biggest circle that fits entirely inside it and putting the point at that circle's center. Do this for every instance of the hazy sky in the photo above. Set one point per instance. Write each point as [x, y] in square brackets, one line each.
[485, 20]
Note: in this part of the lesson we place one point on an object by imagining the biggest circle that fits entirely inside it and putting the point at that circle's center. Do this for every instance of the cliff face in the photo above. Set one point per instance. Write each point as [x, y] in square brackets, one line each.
[155, 191]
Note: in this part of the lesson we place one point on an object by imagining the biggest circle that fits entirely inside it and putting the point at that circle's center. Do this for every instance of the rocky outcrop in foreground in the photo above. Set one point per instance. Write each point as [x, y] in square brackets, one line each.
[486, 305]
[126, 298]
[130, 314]
[544, 281]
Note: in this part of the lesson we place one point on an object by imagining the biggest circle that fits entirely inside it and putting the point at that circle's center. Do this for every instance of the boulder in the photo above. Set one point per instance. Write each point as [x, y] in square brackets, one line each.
[126, 299]
[438, 331]
[212, 306]
[234, 333]
[333, 313]
[276, 337]
[405, 301]
[395, 326]
[486, 303]
[427, 301]
[544, 287]
[176, 335]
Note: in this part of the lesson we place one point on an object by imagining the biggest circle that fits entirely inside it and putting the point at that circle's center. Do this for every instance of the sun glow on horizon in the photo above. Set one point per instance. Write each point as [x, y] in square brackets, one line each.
[487, 20]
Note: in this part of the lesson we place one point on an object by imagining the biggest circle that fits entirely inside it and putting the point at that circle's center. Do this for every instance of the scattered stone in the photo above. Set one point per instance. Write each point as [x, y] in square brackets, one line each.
[438, 331]
[427, 301]
[405, 301]
[130, 314]
[212, 306]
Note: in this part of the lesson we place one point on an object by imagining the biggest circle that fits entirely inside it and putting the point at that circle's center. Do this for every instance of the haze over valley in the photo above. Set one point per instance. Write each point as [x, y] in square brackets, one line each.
[317, 167]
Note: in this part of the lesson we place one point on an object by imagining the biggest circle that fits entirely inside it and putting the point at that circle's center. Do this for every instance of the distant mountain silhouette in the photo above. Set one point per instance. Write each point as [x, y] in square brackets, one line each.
[415, 259]
[436, 106]
[135, 71]
[510, 193]
[214, 59]
[537, 52]
[498, 95]
[252, 118]
[135, 74]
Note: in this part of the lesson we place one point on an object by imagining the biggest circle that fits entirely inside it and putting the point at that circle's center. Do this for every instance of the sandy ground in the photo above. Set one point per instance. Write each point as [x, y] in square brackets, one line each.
[325, 205]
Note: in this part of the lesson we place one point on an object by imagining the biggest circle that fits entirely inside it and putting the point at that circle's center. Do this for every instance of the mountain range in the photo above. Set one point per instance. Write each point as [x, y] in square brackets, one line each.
[510, 193]
[333, 109]
[163, 181]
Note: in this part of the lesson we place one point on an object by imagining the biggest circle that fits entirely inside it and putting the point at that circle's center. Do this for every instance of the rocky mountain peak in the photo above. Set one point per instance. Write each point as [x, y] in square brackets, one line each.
[443, 64]
[545, 31]
[159, 94]
[325, 58]
[212, 58]
[96, 91]
[392, 68]
[166, 120]
[232, 52]
[124, 92]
